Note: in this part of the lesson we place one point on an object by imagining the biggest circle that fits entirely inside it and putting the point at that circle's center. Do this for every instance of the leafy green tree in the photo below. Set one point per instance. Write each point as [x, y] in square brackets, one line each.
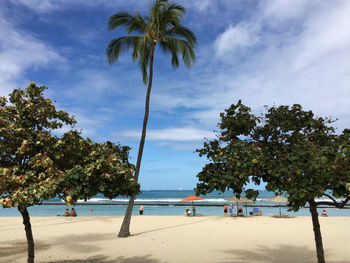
[289, 149]
[162, 27]
[36, 165]
[96, 168]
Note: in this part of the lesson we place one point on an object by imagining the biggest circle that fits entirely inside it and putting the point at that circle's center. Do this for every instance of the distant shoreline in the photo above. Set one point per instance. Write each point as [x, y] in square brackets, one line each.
[189, 204]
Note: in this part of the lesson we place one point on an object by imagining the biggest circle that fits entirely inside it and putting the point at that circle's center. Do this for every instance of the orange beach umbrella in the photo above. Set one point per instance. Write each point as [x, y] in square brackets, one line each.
[192, 198]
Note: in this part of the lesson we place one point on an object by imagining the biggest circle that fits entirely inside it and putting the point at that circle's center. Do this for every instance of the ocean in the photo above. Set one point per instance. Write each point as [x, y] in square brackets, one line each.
[164, 202]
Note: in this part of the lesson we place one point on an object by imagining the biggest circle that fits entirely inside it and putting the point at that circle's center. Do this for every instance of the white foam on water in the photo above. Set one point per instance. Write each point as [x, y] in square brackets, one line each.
[325, 198]
[94, 200]
[177, 200]
[167, 200]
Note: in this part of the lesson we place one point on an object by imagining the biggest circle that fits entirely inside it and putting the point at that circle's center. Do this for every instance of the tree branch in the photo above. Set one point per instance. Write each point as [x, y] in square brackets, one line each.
[334, 203]
[330, 197]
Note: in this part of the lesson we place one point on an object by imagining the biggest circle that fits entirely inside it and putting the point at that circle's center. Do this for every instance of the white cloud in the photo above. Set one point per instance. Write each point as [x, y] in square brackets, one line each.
[86, 124]
[92, 84]
[327, 41]
[44, 6]
[239, 36]
[309, 66]
[20, 52]
[203, 5]
[40, 5]
[280, 11]
[169, 134]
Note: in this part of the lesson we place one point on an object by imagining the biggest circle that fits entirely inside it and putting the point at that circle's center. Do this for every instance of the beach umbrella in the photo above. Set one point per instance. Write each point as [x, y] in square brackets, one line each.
[192, 198]
[278, 199]
[240, 200]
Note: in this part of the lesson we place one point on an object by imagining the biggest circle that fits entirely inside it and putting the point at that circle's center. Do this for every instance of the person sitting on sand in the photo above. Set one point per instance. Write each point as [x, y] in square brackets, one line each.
[66, 213]
[141, 210]
[187, 211]
[73, 212]
[324, 213]
[240, 210]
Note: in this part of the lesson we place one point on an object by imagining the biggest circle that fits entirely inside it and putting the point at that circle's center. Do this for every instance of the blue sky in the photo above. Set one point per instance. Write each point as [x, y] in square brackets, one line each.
[263, 52]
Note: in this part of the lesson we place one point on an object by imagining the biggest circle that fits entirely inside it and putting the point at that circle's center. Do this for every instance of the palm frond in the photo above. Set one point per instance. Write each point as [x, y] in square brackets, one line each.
[179, 46]
[120, 18]
[176, 7]
[118, 45]
[137, 24]
[172, 48]
[139, 43]
[162, 25]
[188, 55]
[144, 56]
[132, 22]
[175, 12]
[184, 32]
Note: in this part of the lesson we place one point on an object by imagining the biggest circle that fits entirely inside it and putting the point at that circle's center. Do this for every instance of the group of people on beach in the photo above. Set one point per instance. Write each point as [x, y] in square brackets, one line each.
[226, 208]
[230, 210]
[71, 213]
[188, 212]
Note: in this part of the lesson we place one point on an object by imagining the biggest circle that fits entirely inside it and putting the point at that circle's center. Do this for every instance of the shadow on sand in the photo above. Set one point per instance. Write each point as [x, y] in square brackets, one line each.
[76, 243]
[82, 242]
[104, 259]
[281, 253]
[20, 248]
[169, 227]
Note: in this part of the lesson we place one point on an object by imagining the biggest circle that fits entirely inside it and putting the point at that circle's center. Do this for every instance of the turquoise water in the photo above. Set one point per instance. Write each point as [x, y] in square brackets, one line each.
[163, 202]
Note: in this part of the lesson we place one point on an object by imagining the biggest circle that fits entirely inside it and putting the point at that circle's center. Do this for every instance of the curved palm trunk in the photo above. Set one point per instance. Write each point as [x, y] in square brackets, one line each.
[317, 232]
[29, 234]
[125, 228]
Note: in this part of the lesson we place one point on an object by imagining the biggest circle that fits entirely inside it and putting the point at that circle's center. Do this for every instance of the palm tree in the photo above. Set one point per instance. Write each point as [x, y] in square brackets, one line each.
[160, 26]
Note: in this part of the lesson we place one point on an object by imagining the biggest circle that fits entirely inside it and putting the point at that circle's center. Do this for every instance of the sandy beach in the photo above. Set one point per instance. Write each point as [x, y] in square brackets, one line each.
[158, 239]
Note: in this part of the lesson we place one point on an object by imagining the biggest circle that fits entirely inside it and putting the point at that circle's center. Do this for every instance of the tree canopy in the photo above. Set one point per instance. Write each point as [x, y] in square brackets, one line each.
[288, 148]
[161, 25]
[291, 150]
[36, 165]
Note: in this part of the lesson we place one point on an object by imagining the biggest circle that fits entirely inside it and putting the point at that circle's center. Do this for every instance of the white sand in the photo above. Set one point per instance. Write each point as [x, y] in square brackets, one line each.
[160, 239]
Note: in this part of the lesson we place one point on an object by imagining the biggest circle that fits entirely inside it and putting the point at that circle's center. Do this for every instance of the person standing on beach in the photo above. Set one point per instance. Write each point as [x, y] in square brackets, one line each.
[194, 211]
[230, 210]
[225, 210]
[141, 210]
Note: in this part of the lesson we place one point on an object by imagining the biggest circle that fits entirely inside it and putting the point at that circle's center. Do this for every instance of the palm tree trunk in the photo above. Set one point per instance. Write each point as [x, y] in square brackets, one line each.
[317, 232]
[125, 228]
[29, 234]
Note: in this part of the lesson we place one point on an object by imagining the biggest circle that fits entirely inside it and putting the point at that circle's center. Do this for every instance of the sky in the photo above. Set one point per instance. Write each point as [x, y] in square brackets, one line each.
[264, 52]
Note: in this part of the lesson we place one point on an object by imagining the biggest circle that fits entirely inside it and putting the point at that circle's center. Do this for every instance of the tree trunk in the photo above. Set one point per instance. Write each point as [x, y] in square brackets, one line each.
[317, 232]
[125, 228]
[29, 234]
